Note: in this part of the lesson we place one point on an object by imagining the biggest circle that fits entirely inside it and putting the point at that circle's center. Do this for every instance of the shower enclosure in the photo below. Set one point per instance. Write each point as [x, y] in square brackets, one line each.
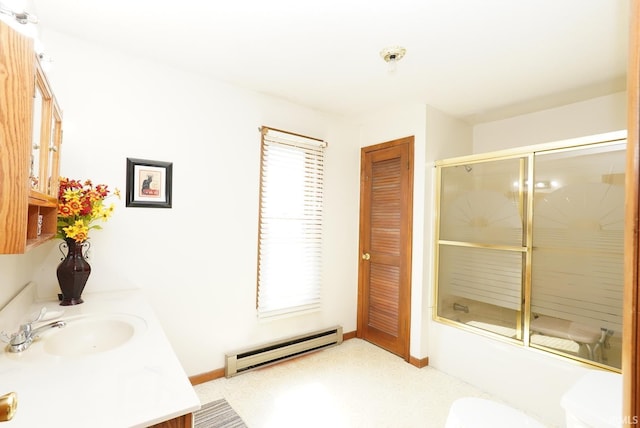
[530, 247]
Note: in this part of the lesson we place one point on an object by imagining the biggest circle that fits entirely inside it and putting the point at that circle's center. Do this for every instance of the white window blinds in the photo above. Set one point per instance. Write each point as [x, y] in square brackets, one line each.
[290, 233]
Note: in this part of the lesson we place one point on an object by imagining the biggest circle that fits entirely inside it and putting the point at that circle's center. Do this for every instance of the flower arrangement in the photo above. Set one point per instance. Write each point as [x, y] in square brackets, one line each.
[80, 206]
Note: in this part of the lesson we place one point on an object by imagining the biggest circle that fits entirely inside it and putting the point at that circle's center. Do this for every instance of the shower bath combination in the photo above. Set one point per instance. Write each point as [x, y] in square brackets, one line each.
[539, 265]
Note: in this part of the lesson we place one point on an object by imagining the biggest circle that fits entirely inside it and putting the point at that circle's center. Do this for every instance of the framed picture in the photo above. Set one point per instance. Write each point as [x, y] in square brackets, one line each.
[148, 183]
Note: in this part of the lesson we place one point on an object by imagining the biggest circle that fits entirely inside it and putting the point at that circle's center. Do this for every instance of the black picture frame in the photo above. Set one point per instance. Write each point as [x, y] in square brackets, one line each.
[149, 183]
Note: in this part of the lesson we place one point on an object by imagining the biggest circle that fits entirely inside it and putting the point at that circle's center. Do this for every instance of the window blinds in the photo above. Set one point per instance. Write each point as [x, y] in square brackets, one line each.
[290, 232]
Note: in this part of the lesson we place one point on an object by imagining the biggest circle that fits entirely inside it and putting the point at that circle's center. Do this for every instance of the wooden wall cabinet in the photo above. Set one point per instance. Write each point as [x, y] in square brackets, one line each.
[30, 138]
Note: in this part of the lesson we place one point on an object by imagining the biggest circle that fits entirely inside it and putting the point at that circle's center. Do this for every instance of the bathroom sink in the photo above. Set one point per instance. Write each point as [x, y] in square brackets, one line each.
[92, 334]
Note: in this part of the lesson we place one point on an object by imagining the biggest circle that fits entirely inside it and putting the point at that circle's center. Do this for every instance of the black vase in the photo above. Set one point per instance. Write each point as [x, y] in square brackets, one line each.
[73, 272]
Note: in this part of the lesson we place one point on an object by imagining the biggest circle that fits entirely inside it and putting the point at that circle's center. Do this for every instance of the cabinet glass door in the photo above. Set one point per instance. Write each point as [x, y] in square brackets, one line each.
[54, 152]
[42, 123]
[34, 171]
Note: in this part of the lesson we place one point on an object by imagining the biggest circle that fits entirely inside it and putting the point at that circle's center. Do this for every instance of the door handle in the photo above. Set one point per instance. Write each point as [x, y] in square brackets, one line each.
[366, 256]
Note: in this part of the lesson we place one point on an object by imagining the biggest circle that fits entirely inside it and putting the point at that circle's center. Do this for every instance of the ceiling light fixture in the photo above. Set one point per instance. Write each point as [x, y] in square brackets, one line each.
[21, 16]
[392, 55]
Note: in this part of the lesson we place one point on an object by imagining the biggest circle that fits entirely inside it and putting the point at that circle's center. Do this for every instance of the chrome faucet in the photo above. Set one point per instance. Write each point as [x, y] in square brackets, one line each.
[23, 338]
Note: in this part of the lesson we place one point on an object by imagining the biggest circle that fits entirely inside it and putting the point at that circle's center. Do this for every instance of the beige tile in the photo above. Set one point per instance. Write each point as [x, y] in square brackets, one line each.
[355, 384]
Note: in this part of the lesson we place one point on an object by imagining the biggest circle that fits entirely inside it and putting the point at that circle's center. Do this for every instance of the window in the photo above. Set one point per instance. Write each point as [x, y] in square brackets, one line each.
[530, 248]
[290, 230]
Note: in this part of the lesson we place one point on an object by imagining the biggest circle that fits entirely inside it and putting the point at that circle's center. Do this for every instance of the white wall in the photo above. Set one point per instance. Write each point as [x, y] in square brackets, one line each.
[17, 270]
[197, 261]
[526, 378]
[596, 116]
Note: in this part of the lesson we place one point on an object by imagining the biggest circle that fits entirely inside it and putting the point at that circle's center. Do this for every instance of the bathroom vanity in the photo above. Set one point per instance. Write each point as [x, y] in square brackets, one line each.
[111, 365]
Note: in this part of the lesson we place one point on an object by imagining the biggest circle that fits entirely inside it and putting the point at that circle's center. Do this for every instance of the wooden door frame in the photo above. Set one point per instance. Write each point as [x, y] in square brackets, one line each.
[631, 333]
[408, 249]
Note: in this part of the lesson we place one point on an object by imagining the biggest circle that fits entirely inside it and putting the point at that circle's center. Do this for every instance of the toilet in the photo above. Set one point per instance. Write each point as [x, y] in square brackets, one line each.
[594, 401]
[474, 412]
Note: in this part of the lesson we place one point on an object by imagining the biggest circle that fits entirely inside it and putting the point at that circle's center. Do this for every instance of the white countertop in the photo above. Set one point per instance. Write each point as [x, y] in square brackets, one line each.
[137, 384]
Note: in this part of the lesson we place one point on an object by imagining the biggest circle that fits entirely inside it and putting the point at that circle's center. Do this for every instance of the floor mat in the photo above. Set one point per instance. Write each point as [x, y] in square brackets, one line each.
[217, 414]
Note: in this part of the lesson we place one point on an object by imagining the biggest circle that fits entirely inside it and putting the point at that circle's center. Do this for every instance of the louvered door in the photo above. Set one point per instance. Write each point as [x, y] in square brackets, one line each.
[385, 245]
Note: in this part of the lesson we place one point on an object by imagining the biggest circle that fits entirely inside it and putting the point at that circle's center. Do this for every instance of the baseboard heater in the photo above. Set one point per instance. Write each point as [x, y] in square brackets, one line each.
[275, 352]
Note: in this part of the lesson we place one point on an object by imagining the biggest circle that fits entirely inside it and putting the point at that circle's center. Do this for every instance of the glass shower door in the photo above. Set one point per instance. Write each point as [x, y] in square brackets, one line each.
[577, 257]
[482, 252]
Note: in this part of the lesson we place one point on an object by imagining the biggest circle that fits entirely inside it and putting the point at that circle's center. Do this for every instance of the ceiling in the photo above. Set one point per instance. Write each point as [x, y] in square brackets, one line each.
[476, 60]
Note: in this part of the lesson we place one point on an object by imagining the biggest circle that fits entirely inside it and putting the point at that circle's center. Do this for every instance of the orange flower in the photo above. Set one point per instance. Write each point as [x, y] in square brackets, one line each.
[64, 210]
